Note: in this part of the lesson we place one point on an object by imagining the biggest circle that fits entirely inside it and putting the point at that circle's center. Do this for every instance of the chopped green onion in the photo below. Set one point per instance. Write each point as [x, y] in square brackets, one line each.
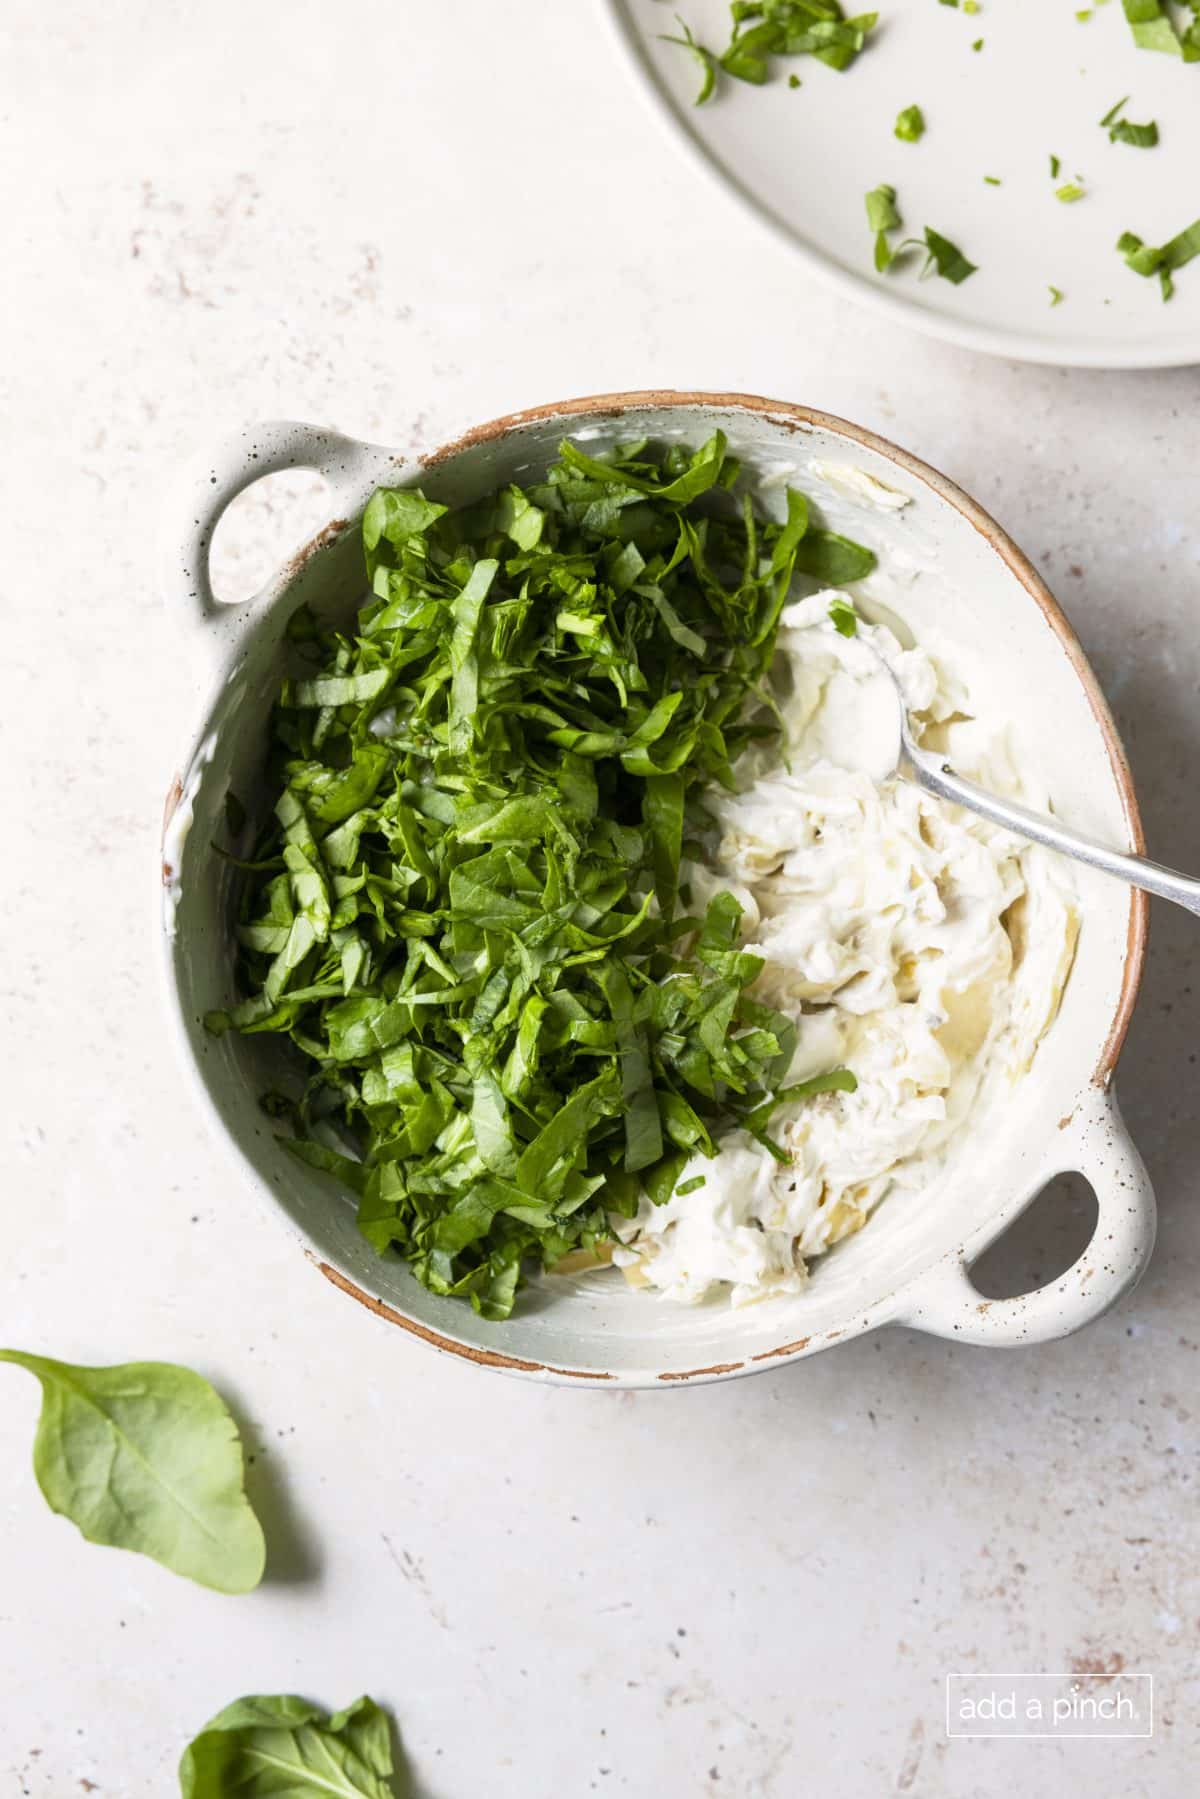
[1069, 192]
[1057, 296]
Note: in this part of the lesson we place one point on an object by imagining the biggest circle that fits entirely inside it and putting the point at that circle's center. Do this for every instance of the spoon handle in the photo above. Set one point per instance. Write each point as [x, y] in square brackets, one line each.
[936, 776]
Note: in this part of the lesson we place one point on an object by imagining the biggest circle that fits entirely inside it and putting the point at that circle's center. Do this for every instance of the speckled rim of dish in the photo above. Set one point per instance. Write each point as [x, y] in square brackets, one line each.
[1020, 346]
[796, 418]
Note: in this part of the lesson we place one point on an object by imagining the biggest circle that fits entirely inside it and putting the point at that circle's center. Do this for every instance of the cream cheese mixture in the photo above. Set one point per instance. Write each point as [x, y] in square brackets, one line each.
[916, 945]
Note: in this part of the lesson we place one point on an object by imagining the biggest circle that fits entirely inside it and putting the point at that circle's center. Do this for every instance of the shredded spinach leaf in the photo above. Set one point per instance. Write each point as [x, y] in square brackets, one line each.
[703, 56]
[765, 29]
[1163, 260]
[946, 258]
[1154, 28]
[910, 125]
[883, 217]
[1122, 131]
[843, 615]
[464, 908]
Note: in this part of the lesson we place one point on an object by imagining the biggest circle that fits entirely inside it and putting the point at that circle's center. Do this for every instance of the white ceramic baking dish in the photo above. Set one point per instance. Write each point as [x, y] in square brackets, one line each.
[911, 1264]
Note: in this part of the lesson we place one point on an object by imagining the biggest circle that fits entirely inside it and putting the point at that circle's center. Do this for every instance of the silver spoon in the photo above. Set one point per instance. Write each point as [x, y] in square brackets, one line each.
[932, 772]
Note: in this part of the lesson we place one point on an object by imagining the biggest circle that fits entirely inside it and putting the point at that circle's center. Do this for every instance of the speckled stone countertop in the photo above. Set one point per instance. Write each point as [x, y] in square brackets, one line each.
[401, 222]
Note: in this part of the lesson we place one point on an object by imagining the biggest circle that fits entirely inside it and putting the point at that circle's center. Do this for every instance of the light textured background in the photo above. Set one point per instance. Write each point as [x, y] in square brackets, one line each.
[402, 220]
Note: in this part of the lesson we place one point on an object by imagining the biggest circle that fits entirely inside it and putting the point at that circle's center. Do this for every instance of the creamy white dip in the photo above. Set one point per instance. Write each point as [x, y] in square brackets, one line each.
[916, 945]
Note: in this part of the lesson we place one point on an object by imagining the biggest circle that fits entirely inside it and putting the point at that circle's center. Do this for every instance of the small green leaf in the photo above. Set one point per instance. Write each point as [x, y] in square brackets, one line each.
[145, 1456]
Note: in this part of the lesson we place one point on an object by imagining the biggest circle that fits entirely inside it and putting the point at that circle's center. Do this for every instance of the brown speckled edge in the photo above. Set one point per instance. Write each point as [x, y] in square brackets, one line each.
[802, 419]
[486, 1358]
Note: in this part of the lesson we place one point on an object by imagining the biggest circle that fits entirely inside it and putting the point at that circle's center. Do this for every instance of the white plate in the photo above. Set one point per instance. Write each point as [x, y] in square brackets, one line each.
[803, 158]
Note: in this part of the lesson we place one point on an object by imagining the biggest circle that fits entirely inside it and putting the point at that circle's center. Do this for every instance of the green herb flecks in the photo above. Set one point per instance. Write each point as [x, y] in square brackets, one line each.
[1070, 192]
[464, 909]
[146, 1457]
[276, 1744]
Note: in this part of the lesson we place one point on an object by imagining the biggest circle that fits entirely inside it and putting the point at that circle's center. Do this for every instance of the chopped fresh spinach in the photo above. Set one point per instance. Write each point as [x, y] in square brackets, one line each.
[940, 254]
[910, 125]
[843, 615]
[276, 1746]
[145, 1456]
[763, 29]
[464, 911]
[1155, 28]
[1122, 131]
[946, 258]
[883, 217]
[705, 58]
[1163, 260]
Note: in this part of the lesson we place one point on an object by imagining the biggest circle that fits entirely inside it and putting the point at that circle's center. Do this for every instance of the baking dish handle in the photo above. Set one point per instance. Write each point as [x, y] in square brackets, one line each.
[207, 485]
[1094, 1142]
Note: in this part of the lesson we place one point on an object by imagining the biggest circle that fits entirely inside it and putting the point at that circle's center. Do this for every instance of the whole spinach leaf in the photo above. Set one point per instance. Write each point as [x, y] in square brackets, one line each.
[145, 1456]
[281, 1747]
